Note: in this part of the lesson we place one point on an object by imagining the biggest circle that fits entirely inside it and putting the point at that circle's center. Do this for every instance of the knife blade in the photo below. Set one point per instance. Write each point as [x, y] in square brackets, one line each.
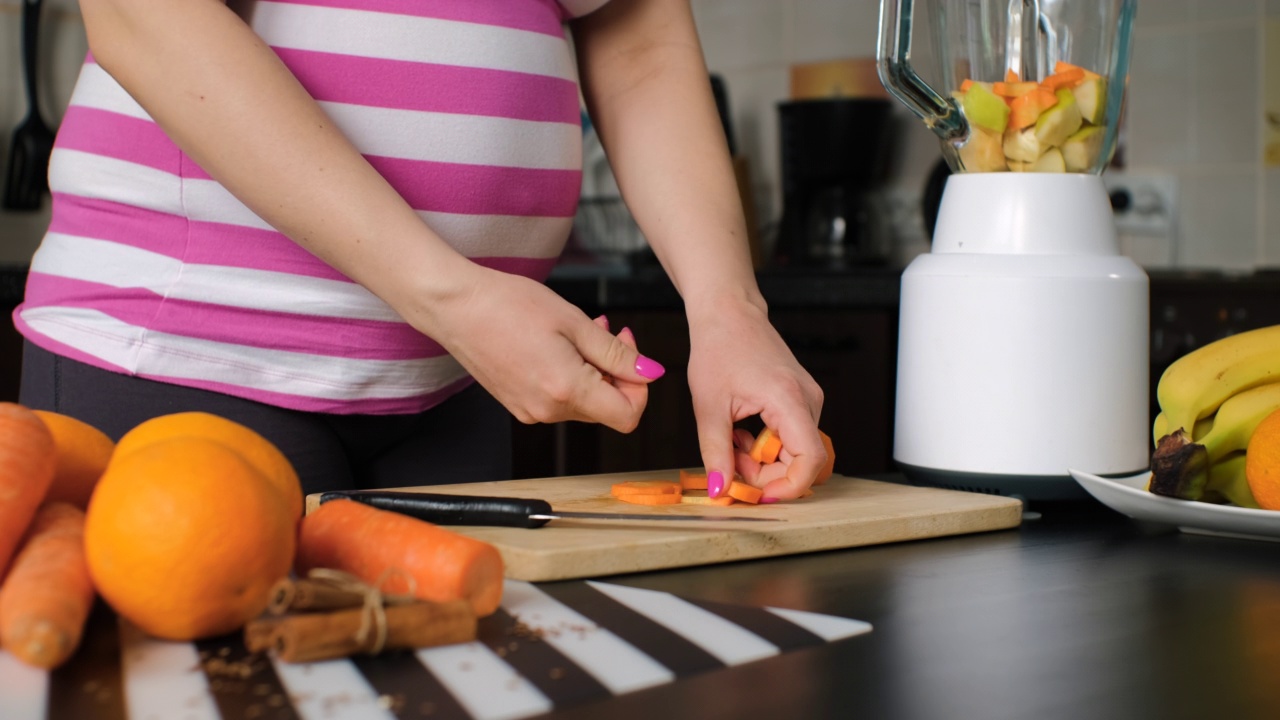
[443, 509]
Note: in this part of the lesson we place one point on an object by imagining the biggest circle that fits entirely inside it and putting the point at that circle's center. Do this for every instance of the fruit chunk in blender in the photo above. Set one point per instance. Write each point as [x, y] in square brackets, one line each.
[1055, 125]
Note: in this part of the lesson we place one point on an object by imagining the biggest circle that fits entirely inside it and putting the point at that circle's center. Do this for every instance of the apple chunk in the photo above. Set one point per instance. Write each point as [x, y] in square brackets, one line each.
[1060, 121]
[982, 152]
[985, 109]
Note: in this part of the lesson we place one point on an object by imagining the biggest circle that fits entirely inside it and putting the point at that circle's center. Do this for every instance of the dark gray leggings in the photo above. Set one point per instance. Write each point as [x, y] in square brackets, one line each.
[467, 438]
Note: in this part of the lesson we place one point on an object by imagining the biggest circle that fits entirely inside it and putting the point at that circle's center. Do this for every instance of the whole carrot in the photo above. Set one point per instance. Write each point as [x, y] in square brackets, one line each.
[27, 464]
[401, 554]
[46, 598]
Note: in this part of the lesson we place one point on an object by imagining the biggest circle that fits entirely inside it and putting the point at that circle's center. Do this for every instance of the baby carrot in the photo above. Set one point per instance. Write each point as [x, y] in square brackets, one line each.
[27, 465]
[401, 554]
[47, 596]
[744, 492]
[642, 499]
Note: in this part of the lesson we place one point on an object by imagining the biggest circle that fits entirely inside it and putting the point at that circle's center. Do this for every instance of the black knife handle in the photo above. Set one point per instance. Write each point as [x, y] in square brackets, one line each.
[452, 509]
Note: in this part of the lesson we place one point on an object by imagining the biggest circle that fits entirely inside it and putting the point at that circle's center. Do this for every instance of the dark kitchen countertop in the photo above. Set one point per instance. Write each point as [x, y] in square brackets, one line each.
[1079, 613]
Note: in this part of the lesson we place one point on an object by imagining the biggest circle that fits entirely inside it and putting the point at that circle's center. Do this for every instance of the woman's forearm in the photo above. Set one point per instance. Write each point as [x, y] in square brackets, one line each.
[226, 100]
[649, 94]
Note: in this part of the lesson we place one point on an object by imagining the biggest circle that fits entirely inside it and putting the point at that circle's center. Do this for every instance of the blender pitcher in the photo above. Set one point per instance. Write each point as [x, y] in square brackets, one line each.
[1023, 333]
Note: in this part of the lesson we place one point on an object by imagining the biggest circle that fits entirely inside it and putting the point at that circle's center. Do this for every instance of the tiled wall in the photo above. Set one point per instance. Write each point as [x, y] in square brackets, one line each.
[1196, 110]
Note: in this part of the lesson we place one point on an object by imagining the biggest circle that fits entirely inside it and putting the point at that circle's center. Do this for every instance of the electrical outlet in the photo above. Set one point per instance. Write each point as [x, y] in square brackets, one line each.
[1145, 208]
[1144, 204]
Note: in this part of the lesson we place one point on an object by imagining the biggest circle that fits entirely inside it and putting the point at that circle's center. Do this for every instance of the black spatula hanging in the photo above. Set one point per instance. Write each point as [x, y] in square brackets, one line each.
[27, 180]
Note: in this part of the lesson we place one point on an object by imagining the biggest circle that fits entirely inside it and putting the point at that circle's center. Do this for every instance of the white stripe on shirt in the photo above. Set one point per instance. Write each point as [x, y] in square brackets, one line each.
[108, 263]
[413, 39]
[158, 354]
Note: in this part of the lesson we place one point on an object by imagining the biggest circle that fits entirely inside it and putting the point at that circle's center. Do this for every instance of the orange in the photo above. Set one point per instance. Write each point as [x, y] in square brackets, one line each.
[1262, 462]
[259, 451]
[185, 538]
[83, 454]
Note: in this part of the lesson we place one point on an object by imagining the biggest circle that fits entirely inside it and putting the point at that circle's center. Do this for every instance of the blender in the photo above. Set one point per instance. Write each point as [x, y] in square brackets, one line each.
[1023, 333]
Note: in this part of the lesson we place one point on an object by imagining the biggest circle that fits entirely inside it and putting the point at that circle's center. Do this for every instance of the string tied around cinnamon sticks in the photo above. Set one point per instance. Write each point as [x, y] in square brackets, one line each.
[331, 613]
[328, 588]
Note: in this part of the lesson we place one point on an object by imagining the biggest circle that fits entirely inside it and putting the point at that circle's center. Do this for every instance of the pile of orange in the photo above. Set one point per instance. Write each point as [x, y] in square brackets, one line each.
[193, 521]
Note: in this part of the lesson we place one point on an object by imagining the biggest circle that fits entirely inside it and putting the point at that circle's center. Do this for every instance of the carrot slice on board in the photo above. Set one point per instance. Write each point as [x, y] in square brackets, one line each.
[639, 499]
[745, 492]
[693, 481]
[825, 473]
[766, 447]
[722, 501]
[645, 487]
[1011, 76]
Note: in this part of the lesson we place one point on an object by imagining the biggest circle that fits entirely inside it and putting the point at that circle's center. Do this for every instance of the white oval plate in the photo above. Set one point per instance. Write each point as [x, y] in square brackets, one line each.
[1129, 495]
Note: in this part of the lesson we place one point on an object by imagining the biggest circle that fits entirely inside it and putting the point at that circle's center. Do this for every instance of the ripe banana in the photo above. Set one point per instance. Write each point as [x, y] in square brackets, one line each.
[1226, 478]
[1180, 467]
[1161, 428]
[1197, 383]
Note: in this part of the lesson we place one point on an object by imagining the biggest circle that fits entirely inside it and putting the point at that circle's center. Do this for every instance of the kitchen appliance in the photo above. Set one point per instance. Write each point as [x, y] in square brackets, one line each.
[845, 512]
[834, 153]
[1023, 339]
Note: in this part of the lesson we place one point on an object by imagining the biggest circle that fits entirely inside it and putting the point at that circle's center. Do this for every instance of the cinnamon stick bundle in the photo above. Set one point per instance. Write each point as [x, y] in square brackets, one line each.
[325, 590]
[310, 637]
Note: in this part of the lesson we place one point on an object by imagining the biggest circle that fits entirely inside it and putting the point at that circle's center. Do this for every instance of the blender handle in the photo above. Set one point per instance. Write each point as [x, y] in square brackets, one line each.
[896, 74]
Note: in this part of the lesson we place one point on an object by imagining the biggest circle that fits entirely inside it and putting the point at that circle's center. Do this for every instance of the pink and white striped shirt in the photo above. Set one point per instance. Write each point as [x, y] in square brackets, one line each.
[469, 108]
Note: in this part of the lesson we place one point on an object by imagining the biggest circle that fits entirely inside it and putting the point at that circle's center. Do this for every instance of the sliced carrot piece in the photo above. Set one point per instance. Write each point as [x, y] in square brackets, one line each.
[693, 481]
[1061, 66]
[1066, 78]
[964, 86]
[825, 473]
[744, 492]
[645, 487]
[1011, 76]
[722, 501]
[641, 499]
[766, 447]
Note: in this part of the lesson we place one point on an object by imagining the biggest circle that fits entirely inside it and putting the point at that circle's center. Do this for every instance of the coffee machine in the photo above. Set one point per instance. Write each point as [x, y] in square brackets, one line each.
[835, 153]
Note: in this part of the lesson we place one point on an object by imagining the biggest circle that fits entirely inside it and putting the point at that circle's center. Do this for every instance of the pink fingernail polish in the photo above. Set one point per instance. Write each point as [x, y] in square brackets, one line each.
[768, 500]
[649, 369]
[604, 319]
[627, 331]
[715, 483]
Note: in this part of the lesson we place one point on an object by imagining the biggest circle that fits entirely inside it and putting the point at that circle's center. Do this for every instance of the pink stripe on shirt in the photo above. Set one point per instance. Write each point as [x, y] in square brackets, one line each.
[468, 189]
[294, 332]
[540, 16]
[206, 243]
[435, 88]
[110, 134]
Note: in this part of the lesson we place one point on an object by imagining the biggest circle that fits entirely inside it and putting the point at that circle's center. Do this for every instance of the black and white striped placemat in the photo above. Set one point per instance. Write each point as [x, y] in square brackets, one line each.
[550, 646]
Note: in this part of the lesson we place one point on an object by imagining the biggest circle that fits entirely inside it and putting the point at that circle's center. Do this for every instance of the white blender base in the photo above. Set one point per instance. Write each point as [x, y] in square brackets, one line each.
[1023, 342]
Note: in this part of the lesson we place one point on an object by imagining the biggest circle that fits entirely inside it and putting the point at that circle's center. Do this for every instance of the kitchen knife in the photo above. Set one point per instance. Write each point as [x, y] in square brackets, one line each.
[496, 511]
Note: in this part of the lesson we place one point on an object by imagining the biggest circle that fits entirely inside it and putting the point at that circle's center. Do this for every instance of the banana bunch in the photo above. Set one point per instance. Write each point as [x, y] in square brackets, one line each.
[1211, 399]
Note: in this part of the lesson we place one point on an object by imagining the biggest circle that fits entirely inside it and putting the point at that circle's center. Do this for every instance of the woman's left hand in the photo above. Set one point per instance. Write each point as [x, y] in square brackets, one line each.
[739, 367]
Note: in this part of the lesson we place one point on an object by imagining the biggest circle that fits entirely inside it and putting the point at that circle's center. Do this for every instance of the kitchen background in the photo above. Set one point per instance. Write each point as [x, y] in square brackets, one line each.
[1196, 187]
[1204, 104]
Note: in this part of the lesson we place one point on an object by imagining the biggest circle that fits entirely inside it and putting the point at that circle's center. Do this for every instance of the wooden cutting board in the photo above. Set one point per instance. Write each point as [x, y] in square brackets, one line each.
[846, 512]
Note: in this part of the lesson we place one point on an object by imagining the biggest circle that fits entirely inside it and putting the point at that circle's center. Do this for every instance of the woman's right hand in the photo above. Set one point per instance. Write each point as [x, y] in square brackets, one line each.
[540, 356]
